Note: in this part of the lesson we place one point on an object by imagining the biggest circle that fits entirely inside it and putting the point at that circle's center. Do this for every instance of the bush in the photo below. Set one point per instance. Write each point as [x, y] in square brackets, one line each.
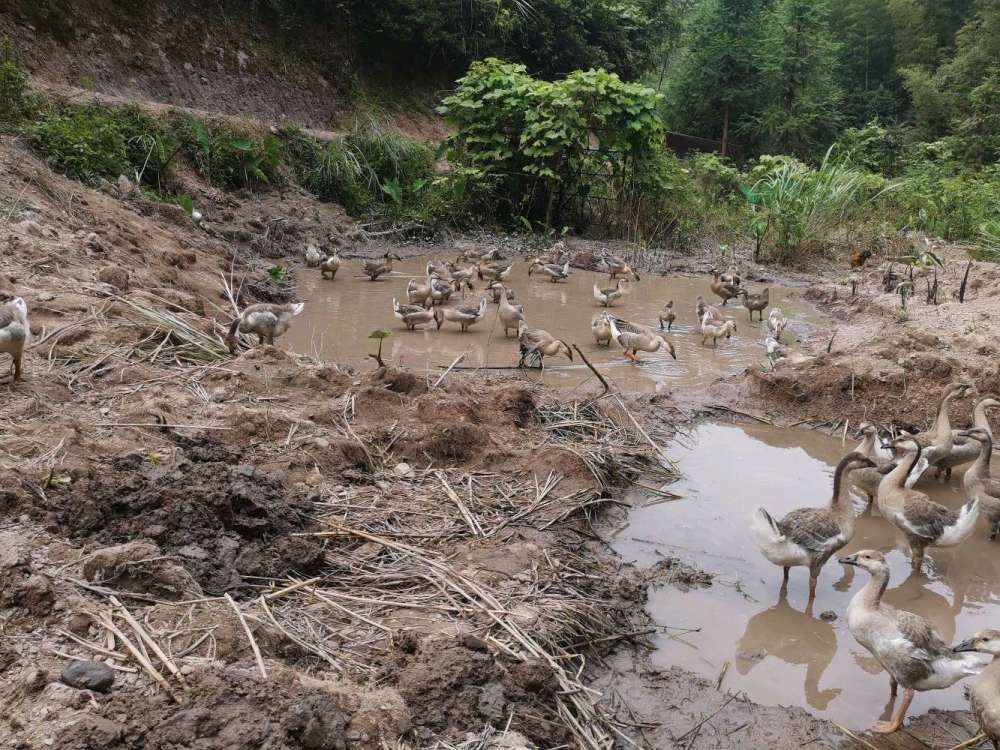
[86, 144]
[369, 167]
[90, 143]
[555, 149]
[14, 104]
[226, 157]
[804, 207]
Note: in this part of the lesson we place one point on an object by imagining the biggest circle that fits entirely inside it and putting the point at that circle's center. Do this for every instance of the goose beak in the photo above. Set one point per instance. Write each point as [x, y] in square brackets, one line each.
[849, 560]
[964, 646]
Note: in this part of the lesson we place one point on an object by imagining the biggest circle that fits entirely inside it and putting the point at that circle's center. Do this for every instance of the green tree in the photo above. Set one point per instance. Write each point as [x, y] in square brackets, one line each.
[800, 87]
[712, 86]
[868, 60]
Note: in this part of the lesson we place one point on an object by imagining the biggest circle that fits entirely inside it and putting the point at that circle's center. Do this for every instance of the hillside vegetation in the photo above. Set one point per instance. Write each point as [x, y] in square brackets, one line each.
[840, 124]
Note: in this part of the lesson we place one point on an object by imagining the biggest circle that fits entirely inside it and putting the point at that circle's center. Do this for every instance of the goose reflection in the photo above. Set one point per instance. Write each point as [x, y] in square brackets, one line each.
[795, 638]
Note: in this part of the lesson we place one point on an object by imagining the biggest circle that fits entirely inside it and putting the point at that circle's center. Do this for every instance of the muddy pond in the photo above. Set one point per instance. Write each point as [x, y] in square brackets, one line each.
[781, 652]
[340, 314]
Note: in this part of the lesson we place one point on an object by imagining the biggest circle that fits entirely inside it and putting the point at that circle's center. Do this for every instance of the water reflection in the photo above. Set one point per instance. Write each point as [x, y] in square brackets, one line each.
[340, 314]
[729, 472]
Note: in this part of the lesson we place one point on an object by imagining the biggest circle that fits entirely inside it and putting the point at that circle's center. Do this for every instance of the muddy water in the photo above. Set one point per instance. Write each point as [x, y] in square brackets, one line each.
[340, 314]
[780, 651]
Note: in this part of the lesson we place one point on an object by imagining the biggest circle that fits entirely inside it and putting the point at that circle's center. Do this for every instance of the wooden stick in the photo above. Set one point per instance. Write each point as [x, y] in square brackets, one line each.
[592, 368]
[853, 736]
[477, 530]
[970, 742]
[293, 587]
[157, 424]
[150, 641]
[246, 629]
[458, 359]
[138, 655]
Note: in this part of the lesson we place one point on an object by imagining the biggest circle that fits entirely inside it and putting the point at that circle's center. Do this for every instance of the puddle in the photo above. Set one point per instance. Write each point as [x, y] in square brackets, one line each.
[340, 314]
[781, 653]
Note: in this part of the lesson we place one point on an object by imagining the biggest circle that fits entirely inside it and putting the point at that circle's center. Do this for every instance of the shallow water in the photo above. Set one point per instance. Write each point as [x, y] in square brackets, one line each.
[340, 314]
[780, 652]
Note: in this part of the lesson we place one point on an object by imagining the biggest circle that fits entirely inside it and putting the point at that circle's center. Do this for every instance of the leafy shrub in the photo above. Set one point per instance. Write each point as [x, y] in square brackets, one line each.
[714, 176]
[806, 207]
[89, 143]
[83, 143]
[227, 157]
[945, 198]
[14, 104]
[874, 147]
[554, 148]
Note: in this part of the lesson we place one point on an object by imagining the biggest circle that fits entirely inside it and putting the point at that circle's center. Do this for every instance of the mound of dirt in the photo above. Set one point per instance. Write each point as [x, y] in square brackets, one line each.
[220, 518]
[452, 687]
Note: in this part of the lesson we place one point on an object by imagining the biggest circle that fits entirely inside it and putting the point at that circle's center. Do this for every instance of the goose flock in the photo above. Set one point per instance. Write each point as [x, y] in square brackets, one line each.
[887, 473]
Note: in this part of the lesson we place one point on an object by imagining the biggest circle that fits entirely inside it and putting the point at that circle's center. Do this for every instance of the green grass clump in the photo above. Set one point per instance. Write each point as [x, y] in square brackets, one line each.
[228, 157]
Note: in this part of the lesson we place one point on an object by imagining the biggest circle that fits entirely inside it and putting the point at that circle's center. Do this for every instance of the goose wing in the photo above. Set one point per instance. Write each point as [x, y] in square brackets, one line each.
[627, 326]
[925, 518]
[405, 310]
[919, 632]
[814, 529]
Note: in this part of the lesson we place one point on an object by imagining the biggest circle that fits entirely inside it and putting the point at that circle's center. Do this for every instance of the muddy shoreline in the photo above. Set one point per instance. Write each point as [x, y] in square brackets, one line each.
[134, 470]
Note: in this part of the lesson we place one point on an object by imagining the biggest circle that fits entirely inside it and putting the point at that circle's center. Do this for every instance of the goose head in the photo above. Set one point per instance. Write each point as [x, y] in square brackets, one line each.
[669, 345]
[868, 559]
[865, 429]
[983, 642]
[978, 434]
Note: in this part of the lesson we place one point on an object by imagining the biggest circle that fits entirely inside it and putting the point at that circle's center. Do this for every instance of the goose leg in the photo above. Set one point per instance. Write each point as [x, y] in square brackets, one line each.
[812, 587]
[893, 725]
[784, 578]
[17, 365]
[917, 559]
[893, 688]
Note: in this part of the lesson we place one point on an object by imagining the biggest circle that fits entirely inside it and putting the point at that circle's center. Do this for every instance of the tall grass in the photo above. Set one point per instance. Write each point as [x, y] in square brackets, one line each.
[809, 207]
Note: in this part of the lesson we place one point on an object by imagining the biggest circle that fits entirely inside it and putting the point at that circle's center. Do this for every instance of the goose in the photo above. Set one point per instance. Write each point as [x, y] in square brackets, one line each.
[441, 290]
[464, 315]
[810, 536]
[497, 288]
[979, 483]
[984, 694]
[510, 315]
[554, 272]
[329, 265]
[540, 343]
[723, 289]
[964, 451]
[868, 480]
[15, 331]
[731, 276]
[776, 322]
[313, 256]
[267, 320]
[437, 268]
[904, 643]
[938, 442]
[418, 294]
[700, 308]
[375, 268]
[716, 328]
[923, 522]
[667, 315]
[634, 338]
[607, 296]
[775, 350]
[617, 266]
[494, 271]
[412, 315]
[756, 302]
[600, 326]
[462, 275]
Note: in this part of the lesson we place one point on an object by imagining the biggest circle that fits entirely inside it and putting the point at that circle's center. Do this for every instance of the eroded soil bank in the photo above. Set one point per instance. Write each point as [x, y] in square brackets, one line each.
[412, 557]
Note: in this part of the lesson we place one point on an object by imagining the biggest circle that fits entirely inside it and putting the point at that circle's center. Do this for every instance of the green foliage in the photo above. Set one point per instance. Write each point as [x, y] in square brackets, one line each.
[367, 168]
[90, 143]
[552, 145]
[84, 143]
[277, 273]
[551, 37]
[941, 196]
[227, 157]
[806, 207]
[800, 91]
[14, 100]
[874, 147]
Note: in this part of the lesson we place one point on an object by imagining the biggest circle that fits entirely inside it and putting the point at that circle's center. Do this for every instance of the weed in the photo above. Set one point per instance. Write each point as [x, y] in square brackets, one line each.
[14, 99]
[226, 157]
